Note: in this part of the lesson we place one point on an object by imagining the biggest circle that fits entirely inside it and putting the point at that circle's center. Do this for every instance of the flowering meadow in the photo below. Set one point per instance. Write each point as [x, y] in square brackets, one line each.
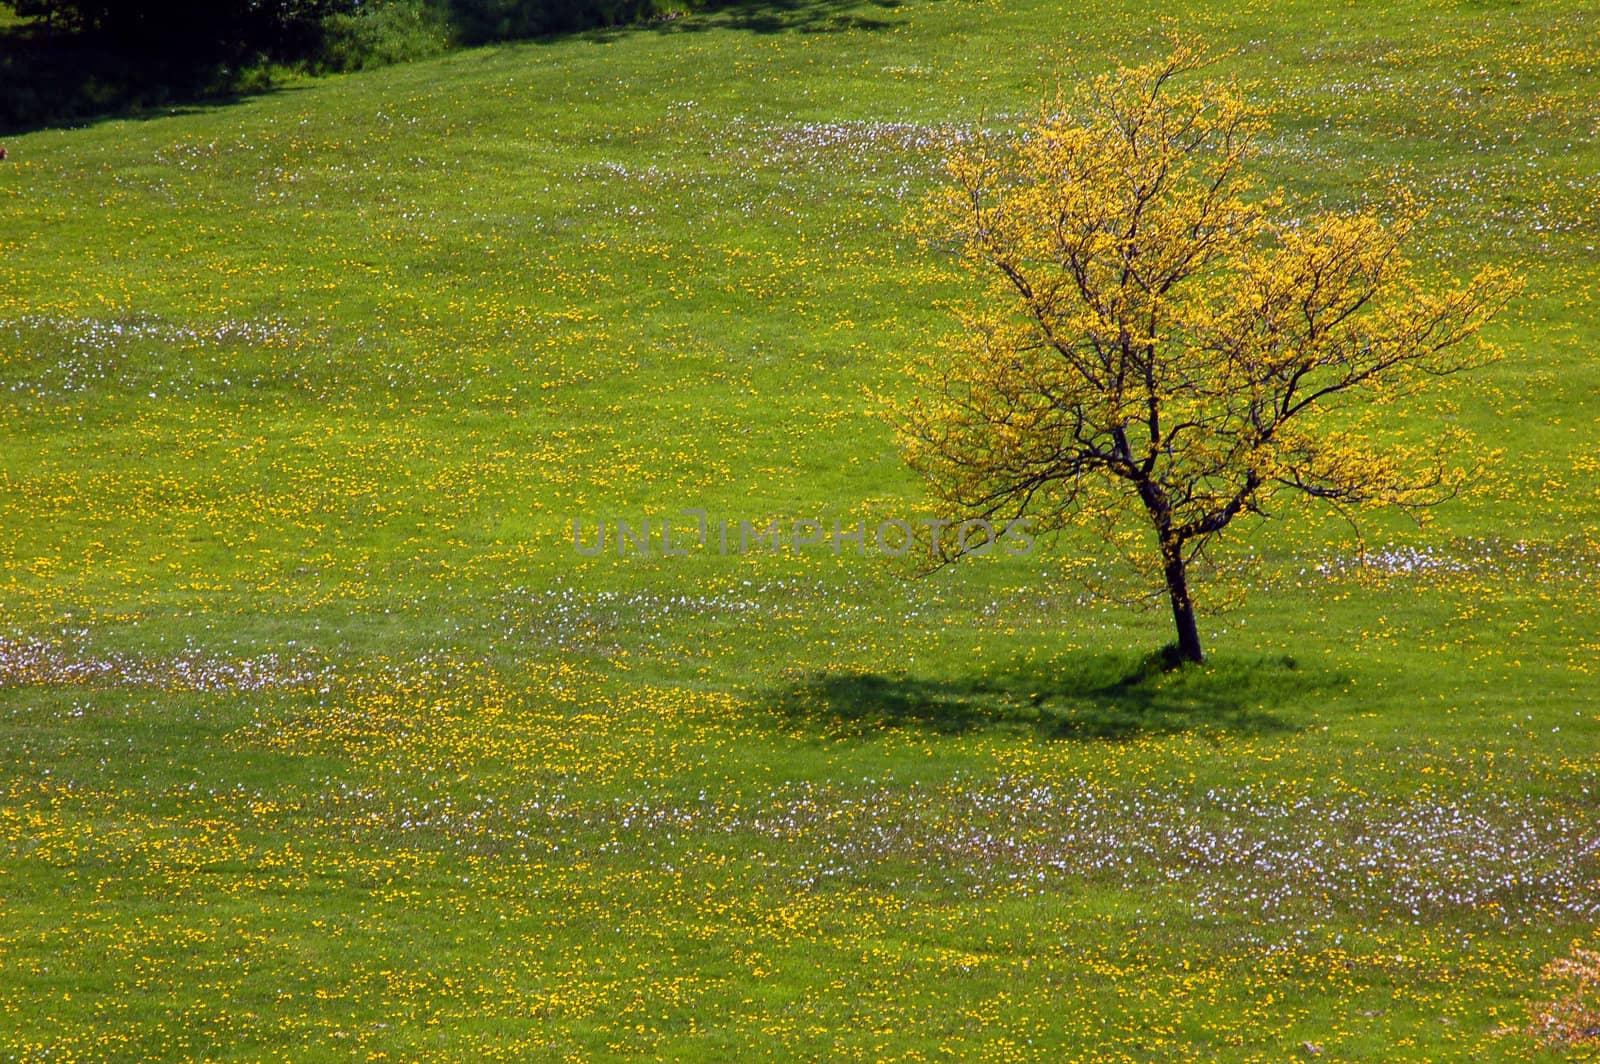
[320, 741]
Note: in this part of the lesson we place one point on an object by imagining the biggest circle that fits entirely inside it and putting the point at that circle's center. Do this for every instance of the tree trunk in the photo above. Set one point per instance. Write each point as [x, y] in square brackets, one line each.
[1182, 605]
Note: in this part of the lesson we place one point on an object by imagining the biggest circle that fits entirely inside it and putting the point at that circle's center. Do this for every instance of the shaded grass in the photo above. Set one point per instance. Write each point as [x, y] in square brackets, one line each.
[50, 78]
[1085, 696]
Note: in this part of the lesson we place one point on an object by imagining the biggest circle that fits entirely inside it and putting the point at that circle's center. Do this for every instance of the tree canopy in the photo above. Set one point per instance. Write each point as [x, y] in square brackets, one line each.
[1161, 345]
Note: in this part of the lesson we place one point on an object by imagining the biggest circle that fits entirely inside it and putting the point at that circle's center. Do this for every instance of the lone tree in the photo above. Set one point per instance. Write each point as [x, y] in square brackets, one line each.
[1161, 337]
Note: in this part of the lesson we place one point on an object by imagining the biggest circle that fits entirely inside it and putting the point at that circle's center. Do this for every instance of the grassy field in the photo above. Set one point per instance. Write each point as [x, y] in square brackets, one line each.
[321, 741]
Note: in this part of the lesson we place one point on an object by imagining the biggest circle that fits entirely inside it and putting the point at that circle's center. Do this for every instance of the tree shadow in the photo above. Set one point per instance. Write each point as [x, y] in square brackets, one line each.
[1106, 697]
[51, 79]
[763, 17]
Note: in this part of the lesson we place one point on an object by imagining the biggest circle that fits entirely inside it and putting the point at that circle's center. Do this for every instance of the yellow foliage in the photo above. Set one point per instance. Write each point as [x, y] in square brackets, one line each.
[1160, 336]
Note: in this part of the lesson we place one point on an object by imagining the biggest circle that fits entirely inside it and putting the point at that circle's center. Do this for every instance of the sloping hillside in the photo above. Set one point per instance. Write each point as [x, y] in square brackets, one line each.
[322, 738]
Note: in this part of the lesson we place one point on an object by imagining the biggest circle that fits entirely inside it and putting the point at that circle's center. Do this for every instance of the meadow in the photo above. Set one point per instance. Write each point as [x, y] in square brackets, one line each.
[319, 740]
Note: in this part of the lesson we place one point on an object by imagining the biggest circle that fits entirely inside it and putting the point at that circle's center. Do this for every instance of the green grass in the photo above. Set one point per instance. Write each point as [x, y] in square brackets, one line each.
[321, 741]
